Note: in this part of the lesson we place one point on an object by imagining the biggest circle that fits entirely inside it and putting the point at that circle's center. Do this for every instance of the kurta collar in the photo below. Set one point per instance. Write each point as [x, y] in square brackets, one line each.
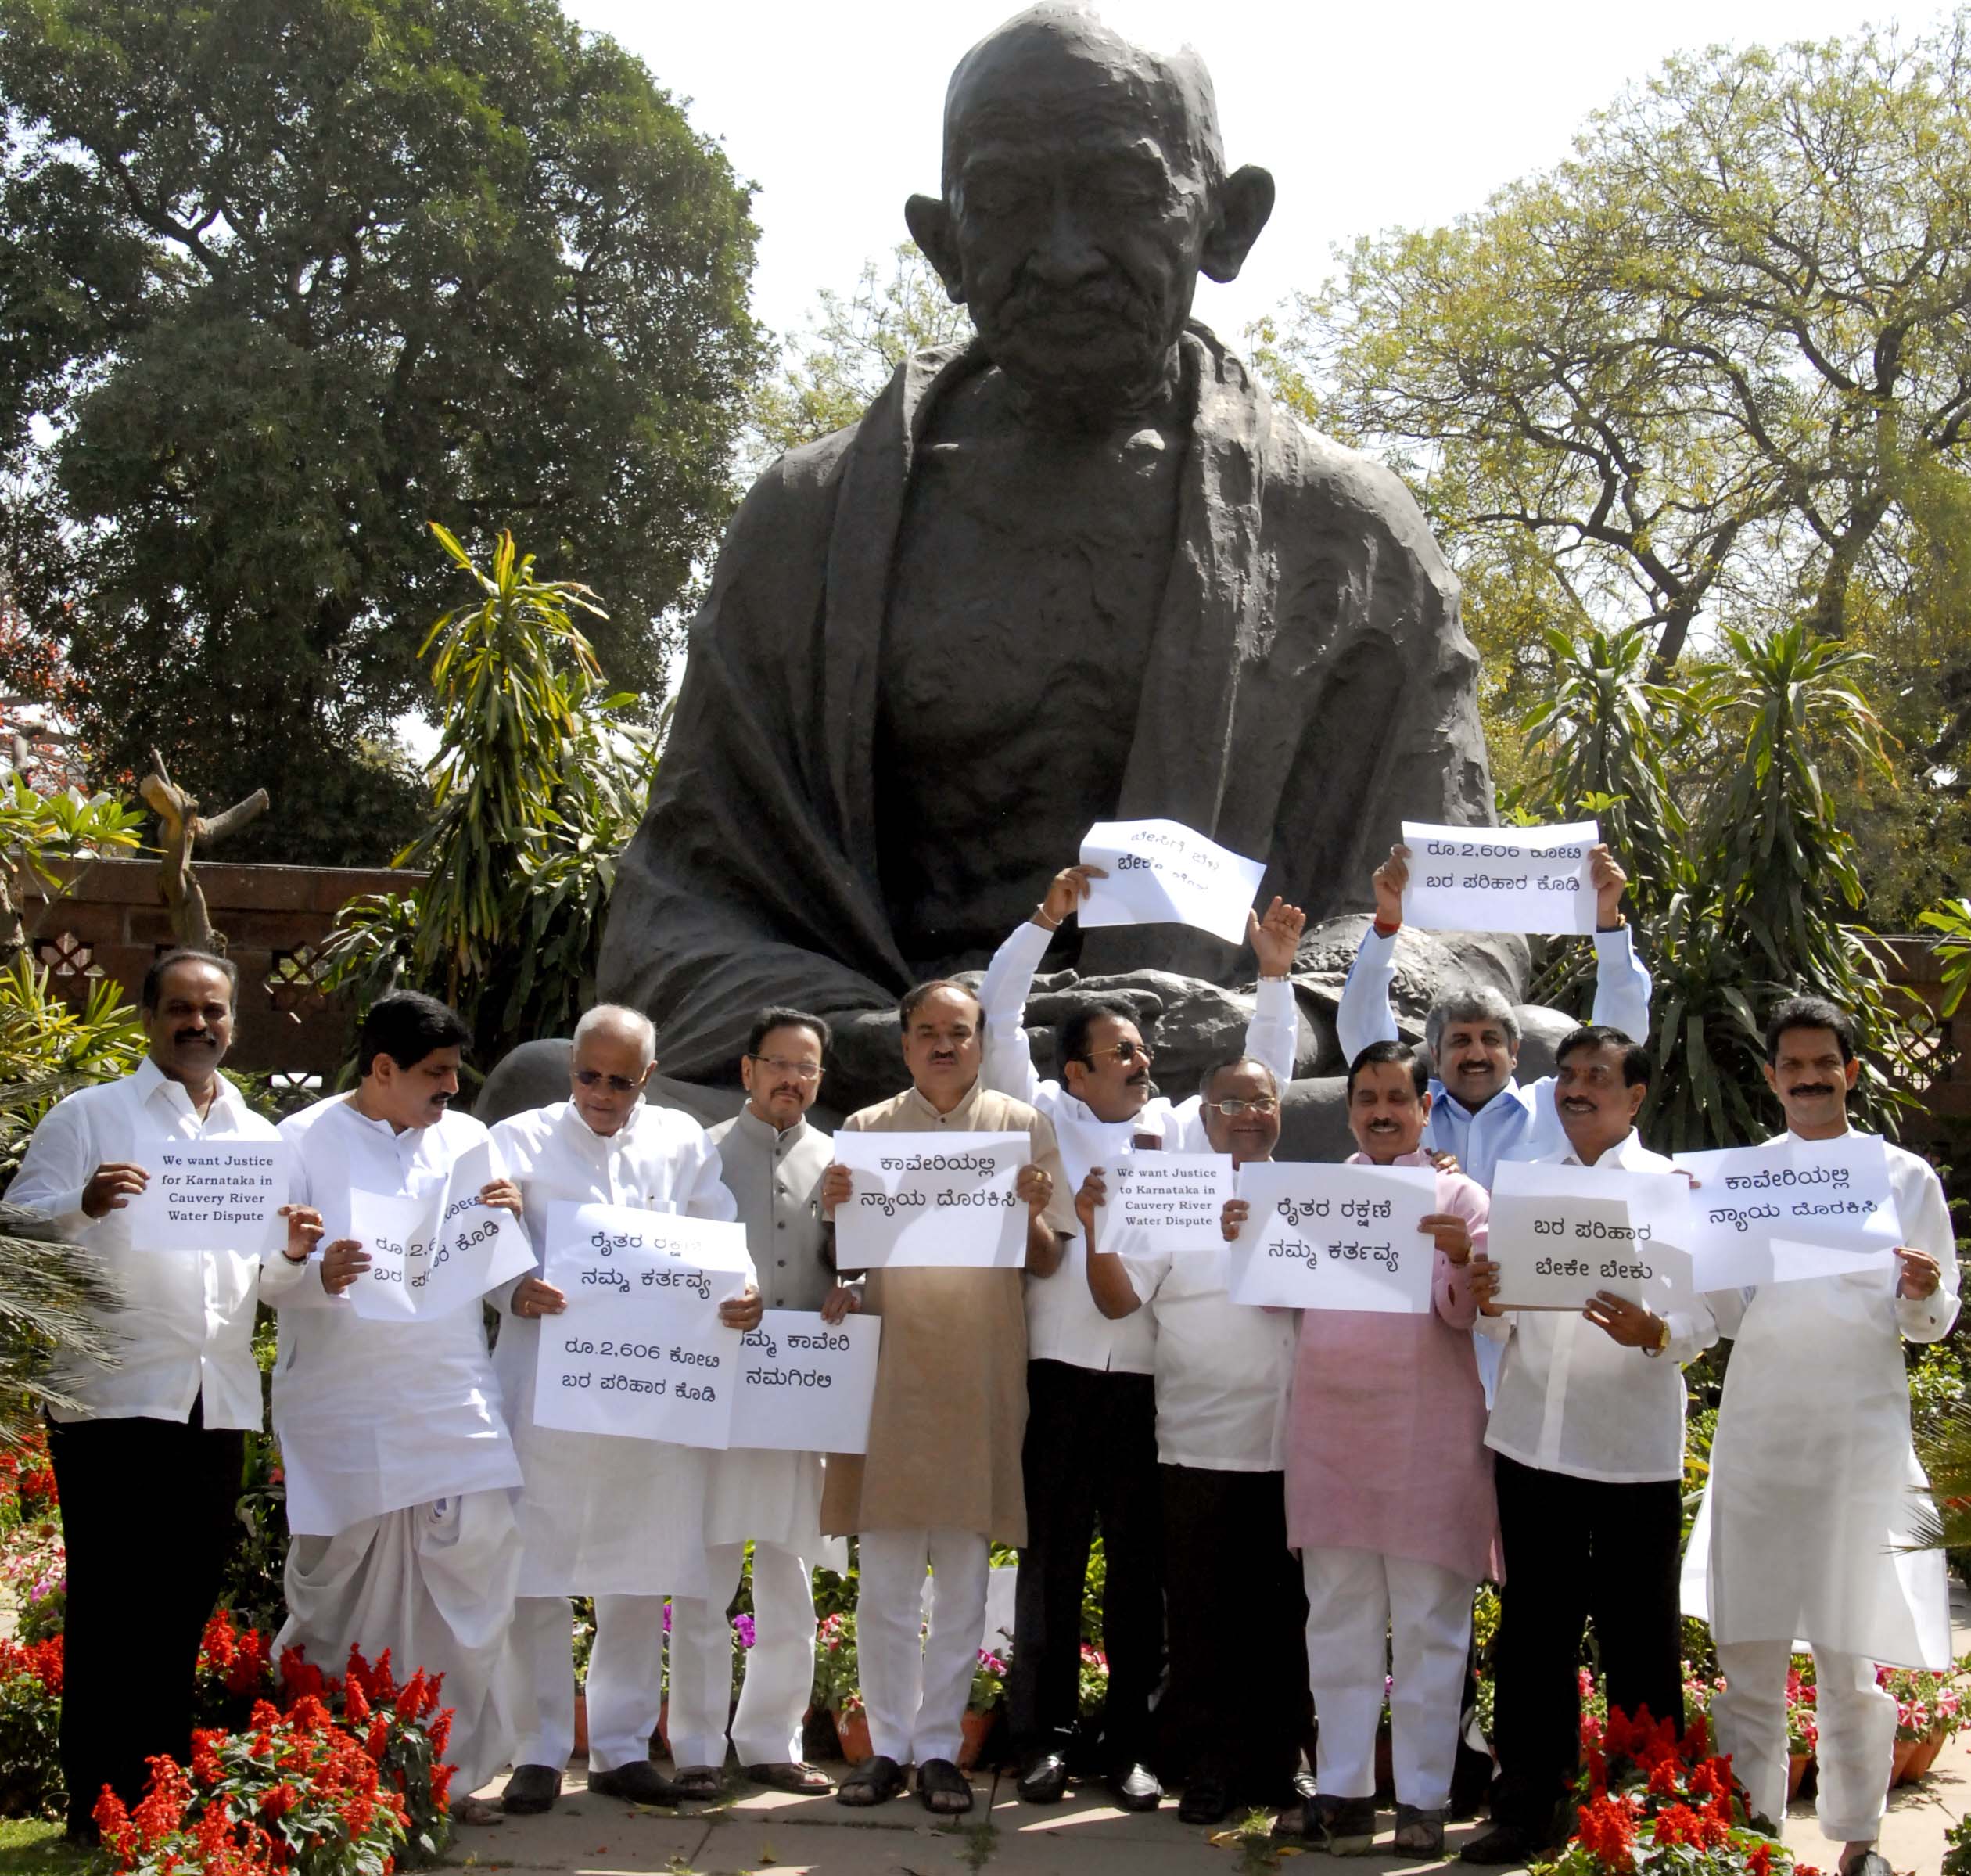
[765, 1133]
[152, 1083]
[1444, 1097]
[585, 1135]
[1622, 1154]
[1419, 1157]
[963, 1114]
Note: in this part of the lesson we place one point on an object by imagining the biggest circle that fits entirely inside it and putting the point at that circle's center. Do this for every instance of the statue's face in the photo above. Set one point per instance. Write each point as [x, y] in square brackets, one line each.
[1079, 212]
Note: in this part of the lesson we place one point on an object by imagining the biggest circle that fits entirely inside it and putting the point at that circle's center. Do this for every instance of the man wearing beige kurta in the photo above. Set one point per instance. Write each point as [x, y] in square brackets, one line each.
[941, 1476]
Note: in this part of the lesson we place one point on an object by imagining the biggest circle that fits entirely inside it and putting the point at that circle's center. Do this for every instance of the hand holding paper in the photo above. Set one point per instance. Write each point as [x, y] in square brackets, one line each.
[945, 1200]
[1533, 879]
[1160, 872]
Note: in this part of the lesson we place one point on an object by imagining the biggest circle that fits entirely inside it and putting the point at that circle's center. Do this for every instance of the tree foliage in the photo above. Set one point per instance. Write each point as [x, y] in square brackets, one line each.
[288, 280]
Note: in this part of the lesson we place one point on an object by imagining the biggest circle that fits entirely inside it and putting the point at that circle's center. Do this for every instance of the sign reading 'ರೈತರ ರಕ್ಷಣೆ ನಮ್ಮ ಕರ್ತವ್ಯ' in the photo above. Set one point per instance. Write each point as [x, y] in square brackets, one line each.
[1161, 872]
[1533, 879]
[940, 1201]
[1335, 1236]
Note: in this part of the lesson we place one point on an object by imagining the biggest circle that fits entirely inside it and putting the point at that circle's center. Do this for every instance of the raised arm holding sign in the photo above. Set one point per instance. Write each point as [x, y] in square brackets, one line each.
[1158, 872]
[1535, 879]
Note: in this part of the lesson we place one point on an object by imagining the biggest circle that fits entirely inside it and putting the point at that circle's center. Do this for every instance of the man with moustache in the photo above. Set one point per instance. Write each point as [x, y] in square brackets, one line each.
[1587, 1435]
[619, 1519]
[155, 1442]
[1091, 1444]
[774, 1162]
[1816, 1495]
[399, 1471]
[941, 1478]
[1237, 1712]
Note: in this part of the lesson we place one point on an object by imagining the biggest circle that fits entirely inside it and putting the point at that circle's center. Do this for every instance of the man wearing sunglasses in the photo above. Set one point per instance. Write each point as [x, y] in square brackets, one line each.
[1090, 1453]
[620, 1520]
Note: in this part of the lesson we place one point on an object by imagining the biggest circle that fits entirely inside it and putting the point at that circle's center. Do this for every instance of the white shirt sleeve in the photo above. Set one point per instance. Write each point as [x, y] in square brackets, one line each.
[1006, 1065]
[1365, 1015]
[1273, 1035]
[1926, 1227]
[1693, 1330]
[707, 1195]
[55, 1169]
[1622, 986]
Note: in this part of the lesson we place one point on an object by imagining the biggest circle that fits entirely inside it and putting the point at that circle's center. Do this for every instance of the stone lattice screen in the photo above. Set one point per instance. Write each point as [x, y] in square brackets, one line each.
[275, 919]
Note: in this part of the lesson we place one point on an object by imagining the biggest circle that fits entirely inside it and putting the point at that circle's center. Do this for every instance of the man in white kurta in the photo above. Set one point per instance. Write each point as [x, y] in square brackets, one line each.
[773, 1163]
[620, 1519]
[1815, 1488]
[399, 1471]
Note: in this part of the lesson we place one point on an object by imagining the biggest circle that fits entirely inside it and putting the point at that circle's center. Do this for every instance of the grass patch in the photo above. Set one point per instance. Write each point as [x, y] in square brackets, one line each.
[32, 1846]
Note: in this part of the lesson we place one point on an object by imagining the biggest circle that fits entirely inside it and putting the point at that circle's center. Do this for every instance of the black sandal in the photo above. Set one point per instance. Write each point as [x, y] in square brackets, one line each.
[938, 1778]
[876, 1781]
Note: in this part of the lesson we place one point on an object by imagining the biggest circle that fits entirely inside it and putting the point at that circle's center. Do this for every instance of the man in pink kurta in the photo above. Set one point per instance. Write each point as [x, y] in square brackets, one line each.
[1389, 1496]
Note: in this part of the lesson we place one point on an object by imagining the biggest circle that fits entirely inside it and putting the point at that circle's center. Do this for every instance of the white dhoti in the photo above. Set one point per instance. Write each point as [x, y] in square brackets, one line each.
[434, 1584]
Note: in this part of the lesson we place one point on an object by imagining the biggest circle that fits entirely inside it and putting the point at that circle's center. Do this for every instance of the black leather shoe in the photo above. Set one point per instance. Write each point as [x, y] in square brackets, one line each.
[641, 1783]
[1043, 1779]
[1136, 1788]
[531, 1790]
[1506, 1843]
[1206, 1800]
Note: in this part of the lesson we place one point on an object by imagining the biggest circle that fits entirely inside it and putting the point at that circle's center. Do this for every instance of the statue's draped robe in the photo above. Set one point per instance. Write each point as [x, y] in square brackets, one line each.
[1309, 687]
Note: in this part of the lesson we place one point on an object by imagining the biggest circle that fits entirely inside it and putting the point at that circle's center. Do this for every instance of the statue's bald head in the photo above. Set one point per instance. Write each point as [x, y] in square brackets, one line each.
[1062, 48]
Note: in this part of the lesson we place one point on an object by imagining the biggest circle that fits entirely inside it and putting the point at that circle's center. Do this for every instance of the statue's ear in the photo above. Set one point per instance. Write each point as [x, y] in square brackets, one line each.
[929, 222]
[1245, 204]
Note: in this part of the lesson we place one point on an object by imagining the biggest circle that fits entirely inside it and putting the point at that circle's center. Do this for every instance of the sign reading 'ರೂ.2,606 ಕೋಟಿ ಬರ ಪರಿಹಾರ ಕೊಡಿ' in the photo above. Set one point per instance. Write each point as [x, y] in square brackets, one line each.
[1500, 879]
[1325, 1237]
[1561, 1234]
[943, 1200]
[1160, 872]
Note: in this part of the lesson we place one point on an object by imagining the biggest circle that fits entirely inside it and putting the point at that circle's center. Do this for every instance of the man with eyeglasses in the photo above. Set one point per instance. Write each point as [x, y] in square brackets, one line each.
[1090, 1455]
[773, 1163]
[619, 1519]
[1236, 1712]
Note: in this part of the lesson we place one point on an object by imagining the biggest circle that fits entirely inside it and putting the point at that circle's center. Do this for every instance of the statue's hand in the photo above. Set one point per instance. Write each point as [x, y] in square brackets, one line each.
[1048, 1008]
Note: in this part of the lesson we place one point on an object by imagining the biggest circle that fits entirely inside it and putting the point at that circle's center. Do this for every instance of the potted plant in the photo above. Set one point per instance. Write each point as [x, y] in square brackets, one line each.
[1803, 1722]
[837, 1683]
[981, 1706]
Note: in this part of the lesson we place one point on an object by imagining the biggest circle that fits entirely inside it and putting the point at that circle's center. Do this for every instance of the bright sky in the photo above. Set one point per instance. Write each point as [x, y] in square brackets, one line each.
[1369, 117]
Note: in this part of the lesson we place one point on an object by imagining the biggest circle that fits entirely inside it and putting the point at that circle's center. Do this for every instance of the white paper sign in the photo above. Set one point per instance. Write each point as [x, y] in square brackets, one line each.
[806, 1385]
[1323, 1237]
[940, 1201]
[1500, 879]
[640, 1352]
[1159, 872]
[1561, 1234]
[213, 1196]
[1164, 1202]
[1834, 1195]
[397, 1232]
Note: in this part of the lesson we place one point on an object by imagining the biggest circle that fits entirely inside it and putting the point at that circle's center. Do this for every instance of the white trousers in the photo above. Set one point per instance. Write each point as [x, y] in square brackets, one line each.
[780, 1665]
[625, 1680]
[433, 1583]
[916, 1689]
[1858, 1734]
[1355, 1599]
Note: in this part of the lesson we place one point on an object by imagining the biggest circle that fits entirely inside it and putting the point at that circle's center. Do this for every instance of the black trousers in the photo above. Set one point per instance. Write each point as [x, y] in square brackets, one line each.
[1090, 1458]
[1577, 1550]
[148, 1516]
[1238, 1708]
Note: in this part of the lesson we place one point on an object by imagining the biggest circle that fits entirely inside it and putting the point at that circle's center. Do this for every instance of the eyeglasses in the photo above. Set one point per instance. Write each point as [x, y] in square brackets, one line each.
[779, 1065]
[1122, 1052]
[618, 1084]
[1232, 1109]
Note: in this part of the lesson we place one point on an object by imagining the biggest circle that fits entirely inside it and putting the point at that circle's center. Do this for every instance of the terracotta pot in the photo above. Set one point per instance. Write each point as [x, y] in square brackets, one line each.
[1899, 1766]
[581, 1723]
[852, 1731]
[1925, 1755]
[1796, 1764]
[972, 1731]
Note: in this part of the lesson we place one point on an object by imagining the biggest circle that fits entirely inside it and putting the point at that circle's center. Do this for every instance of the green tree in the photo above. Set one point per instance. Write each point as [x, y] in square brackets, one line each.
[284, 280]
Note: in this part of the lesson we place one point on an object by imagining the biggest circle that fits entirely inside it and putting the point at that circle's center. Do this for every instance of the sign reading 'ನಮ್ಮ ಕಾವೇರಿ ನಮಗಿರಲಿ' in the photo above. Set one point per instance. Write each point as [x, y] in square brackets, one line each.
[640, 1352]
[1532, 879]
[1331, 1237]
[806, 1385]
[1792, 1212]
[1164, 1202]
[1161, 872]
[938, 1201]
[205, 1195]
[1560, 1235]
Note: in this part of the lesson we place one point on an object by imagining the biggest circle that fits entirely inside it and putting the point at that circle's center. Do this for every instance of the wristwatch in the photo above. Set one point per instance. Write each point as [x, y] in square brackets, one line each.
[1663, 1338]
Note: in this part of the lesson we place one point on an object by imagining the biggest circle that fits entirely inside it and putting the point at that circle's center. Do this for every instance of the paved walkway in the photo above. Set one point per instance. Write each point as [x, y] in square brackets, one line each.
[753, 1832]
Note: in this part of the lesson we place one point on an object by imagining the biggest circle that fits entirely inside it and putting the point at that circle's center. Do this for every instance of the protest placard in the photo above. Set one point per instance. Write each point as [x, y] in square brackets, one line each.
[1322, 1237]
[639, 1352]
[1159, 872]
[604, 1231]
[805, 1386]
[1500, 879]
[1164, 1202]
[396, 1231]
[938, 1200]
[222, 1194]
[1834, 1195]
[1560, 1235]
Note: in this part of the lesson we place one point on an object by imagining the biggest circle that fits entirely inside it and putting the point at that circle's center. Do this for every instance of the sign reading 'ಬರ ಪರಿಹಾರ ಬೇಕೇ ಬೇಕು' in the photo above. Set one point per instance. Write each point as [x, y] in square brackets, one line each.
[1560, 1235]
[1164, 1202]
[1500, 879]
[806, 1385]
[640, 1352]
[1326, 1236]
[1160, 872]
[1788, 1213]
[213, 1196]
[941, 1201]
